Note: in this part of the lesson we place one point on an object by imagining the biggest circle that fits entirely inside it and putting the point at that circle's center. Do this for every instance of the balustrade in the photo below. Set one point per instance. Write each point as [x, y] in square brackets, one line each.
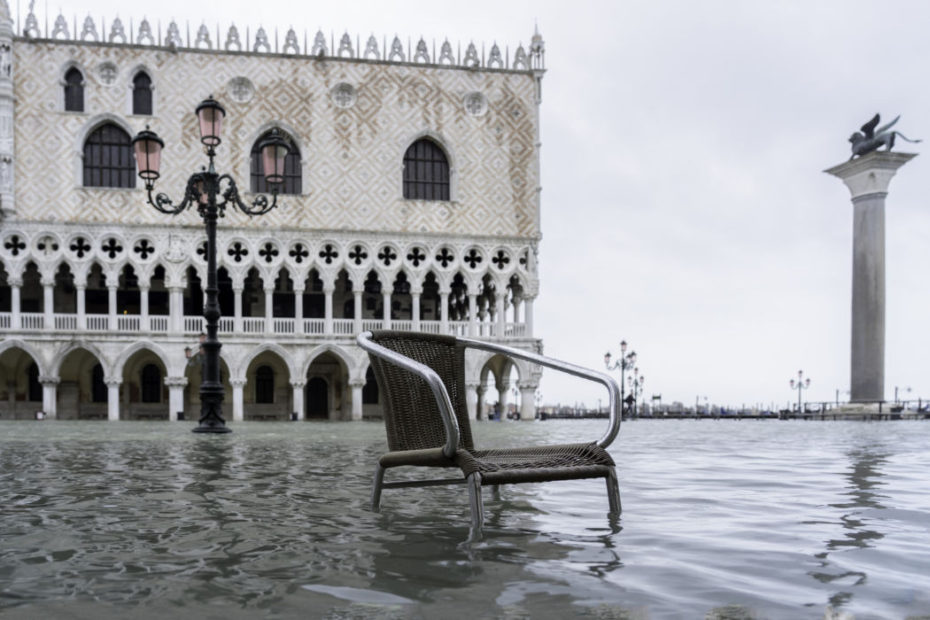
[254, 326]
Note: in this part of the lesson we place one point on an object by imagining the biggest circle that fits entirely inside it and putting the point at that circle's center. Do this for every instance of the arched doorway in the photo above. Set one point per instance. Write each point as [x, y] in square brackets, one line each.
[329, 398]
[82, 394]
[144, 395]
[20, 391]
[267, 391]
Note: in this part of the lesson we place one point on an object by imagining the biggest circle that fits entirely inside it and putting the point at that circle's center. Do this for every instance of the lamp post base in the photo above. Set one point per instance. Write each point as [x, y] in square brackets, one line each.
[216, 428]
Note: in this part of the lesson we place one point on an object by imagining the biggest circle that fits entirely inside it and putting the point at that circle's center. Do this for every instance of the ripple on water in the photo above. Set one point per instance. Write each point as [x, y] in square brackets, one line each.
[721, 518]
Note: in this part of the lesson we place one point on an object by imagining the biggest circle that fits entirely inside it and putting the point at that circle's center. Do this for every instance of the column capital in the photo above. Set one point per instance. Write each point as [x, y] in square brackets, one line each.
[176, 381]
[298, 384]
[237, 383]
[870, 174]
[48, 380]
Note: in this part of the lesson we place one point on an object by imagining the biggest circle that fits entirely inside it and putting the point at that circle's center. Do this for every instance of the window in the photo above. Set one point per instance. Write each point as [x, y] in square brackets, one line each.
[264, 385]
[151, 384]
[74, 90]
[142, 94]
[426, 171]
[108, 160]
[291, 184]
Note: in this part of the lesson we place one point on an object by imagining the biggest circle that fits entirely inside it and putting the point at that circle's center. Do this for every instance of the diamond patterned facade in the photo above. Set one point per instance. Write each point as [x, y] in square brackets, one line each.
[97, 287]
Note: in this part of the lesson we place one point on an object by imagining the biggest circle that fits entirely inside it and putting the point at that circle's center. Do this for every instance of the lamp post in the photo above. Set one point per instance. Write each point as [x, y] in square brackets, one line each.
[636, 387]
[800, 384]
[203, 189]
[626, 360]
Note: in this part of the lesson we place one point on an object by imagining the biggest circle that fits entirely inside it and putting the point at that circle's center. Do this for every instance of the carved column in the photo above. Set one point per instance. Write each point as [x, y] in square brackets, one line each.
[298, 310]
[386, 302]
[527, 402]
[357, 400]
[81, 293]
[238, 408]
[48, 302]
[237, 308]
[144, 308]
[176, 387]
[328, 290]
[471, 399]
[472, 315]
[297, 391]
[112, 321]
[16, 319]
[269, 309]
[113, 399]
[867, 179]
[415, 308]
[357, 293]
[49, 396]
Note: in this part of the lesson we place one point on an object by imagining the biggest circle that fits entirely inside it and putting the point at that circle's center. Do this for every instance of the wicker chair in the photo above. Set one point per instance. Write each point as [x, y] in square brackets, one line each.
[422, 383]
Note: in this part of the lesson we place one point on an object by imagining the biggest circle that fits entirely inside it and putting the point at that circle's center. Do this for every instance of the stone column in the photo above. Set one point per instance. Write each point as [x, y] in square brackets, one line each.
[386, 303]
[503, 397]
[113, 399]
[144, 308]
[48, 303]
[176, 310]
[528, 402]
[480, 413]
[16, 319]
[328, 290]
[357, 400]
[112, 322]
[472, 315]
[358, 309]
[81, 290]
[297, 390]
[237, 309]
[415, 308]
[501, 314]
[269, 309]
[471, 399]
[175, 396]
[867, 179]
[49, 396]
[528, 315]
[298, 311]
[238, 406]
[444, 311]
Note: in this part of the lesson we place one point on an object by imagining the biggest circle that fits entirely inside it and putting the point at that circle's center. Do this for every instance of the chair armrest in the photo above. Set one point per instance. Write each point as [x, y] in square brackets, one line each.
[613, 390]
[443, 402]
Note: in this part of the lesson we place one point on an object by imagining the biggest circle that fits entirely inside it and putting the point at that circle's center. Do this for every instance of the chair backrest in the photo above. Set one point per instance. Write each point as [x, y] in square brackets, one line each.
[411, 416]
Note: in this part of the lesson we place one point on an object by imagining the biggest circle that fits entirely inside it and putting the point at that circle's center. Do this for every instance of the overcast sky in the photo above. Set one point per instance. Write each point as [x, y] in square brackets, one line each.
[684, 202]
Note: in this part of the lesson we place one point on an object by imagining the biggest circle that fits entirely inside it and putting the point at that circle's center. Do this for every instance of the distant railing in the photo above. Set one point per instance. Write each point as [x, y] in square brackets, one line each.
[253, 326]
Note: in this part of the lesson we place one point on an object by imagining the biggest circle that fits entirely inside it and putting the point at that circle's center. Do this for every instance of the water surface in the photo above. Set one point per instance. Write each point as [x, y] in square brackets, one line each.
[722, 519]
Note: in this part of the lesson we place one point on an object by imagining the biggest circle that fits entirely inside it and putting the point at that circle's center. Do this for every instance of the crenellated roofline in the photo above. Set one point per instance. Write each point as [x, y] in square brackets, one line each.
[260, 41]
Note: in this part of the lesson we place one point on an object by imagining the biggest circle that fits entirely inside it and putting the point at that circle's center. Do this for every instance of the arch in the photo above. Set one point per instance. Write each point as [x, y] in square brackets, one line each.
[330, 364]
[142, 93]
[427, 172]
[55, 369]
[73, 89]
[107, 158]
[143, 393]
[266, 347]
[344, 357]
[268, 395]
[119, 366]
[293, 173]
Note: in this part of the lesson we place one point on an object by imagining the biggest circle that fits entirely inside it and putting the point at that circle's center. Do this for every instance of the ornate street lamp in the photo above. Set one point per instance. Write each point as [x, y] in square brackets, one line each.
[800, 384]
[203, 189]
[626, 360]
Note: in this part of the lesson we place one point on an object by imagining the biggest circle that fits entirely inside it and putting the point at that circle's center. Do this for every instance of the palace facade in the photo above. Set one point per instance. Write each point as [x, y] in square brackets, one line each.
[411, 202]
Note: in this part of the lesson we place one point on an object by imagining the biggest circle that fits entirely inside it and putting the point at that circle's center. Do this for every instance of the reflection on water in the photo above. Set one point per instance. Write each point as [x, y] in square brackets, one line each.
[722, 519]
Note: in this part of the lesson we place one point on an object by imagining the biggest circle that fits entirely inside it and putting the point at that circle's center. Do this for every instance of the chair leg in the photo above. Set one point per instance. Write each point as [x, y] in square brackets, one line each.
[477, 505]
[376, 489]
[613, 492]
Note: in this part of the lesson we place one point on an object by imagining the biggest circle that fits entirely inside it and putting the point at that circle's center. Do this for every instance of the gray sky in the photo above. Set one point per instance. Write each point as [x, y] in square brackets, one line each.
[685, 207]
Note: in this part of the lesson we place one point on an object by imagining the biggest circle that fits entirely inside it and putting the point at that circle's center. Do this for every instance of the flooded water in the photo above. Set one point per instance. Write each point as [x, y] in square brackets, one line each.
[722, 519]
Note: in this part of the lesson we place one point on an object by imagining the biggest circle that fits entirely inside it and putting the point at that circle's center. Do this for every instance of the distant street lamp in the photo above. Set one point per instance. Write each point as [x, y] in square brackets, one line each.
[800, 384]
[907, 389]
[626, 360]
[203, 189]
[636, 387]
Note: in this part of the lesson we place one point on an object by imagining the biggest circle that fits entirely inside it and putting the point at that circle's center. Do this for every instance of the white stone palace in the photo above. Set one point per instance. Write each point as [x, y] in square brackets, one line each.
[411, 202]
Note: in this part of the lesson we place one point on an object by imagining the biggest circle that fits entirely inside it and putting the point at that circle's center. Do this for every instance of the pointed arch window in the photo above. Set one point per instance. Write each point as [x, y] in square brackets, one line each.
[74, 90]
[264, 385]
[108, 160]
[151, 384]
[426, 171]
[292, 181]
[142, 94]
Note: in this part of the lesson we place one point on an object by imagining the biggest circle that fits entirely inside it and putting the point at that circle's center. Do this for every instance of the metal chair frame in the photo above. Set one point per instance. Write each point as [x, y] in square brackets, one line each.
[452, 431]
